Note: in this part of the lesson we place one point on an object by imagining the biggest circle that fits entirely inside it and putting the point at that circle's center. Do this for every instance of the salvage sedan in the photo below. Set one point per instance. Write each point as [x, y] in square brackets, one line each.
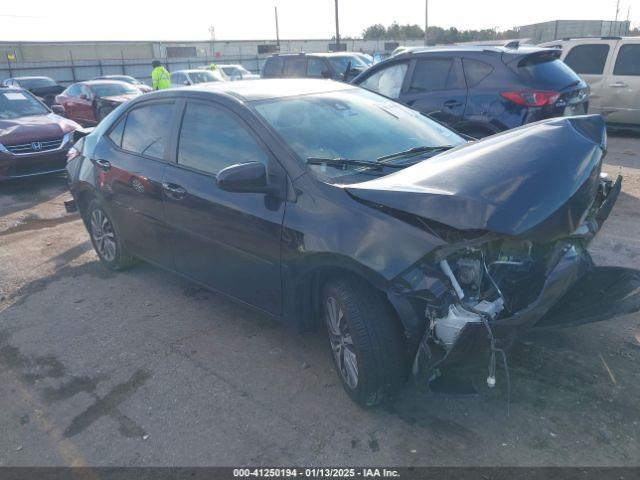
[89, 102]
[33, 139]
[324, 204]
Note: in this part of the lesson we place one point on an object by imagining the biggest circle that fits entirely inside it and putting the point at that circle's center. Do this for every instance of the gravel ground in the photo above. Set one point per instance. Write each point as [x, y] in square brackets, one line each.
[143, 368]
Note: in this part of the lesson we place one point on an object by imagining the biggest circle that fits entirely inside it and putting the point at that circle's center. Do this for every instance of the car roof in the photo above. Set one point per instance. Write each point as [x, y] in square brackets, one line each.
[315, 54]
[265, 89]
[98, 82]
[106, 77]
[519, 50]
[33, 77]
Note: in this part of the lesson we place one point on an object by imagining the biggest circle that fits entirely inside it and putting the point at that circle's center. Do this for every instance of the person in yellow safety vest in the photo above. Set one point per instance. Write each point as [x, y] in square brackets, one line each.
[213, 67]
[159, 76]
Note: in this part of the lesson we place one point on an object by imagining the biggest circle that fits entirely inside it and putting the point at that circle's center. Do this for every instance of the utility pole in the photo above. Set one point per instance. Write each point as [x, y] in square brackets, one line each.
[277, 30]
[628, 14]
[426, 22]
[337, 29]
[615, 22]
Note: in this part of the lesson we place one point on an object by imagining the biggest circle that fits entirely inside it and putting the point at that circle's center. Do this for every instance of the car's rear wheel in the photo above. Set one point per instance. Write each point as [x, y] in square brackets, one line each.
[105, 238]
[365, 341]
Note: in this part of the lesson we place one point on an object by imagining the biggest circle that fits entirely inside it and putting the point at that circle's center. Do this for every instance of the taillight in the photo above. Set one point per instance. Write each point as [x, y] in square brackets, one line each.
[532, 98]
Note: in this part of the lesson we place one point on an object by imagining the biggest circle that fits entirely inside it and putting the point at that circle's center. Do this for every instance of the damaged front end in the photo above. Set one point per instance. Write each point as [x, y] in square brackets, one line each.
[516, 244]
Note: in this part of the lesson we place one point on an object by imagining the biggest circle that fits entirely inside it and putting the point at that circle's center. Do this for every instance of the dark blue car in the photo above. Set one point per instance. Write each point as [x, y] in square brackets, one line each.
[478, 90]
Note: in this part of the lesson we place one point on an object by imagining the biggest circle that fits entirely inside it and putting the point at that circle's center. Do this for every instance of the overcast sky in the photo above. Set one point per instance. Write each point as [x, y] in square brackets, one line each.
[253, 19]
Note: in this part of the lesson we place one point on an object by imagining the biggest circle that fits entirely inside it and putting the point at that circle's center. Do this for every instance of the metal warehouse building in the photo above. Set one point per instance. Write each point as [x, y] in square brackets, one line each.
[557, 29]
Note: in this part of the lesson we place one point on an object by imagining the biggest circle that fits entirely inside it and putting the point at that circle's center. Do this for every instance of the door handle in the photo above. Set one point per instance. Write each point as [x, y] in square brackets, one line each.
[103, 164]
[452, 103]
[619, 85]
[174, 191]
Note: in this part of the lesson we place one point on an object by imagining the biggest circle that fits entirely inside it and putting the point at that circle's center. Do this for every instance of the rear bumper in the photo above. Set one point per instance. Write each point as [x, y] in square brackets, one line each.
[20, 166]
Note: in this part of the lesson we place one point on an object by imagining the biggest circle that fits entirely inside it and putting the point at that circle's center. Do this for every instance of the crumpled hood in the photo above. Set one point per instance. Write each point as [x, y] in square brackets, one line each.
[35, 127]
[537, 180]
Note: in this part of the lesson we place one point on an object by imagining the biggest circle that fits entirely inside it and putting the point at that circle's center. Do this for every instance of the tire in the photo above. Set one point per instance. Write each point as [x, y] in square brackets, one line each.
[105, 239]
[367, 334]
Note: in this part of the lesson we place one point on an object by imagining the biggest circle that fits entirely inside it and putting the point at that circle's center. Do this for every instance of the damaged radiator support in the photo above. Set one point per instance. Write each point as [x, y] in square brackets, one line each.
[447, 329]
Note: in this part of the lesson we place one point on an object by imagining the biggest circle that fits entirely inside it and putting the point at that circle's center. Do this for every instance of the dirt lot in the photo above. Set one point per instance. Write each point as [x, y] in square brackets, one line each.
[142, 368]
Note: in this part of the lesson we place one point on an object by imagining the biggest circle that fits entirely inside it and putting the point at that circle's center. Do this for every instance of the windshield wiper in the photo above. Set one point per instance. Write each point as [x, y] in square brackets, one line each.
[345, 162]
[415, 151]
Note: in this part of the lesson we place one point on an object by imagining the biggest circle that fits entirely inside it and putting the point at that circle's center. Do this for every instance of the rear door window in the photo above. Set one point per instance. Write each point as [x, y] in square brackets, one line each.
[295, 67]
[628, 61]
[147, 129]
[588, 59]
[432, 74]
[475, 71]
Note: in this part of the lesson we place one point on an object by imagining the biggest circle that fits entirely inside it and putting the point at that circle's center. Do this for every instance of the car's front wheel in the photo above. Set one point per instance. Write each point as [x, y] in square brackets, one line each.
[105, 239]
[365, 341]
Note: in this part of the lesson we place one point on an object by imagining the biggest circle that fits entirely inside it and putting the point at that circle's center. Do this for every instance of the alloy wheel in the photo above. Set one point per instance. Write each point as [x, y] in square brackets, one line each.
[104, 237]
[341, 343]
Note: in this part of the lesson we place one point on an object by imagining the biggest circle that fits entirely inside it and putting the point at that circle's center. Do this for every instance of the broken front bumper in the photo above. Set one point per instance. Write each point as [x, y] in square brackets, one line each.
[574, 292]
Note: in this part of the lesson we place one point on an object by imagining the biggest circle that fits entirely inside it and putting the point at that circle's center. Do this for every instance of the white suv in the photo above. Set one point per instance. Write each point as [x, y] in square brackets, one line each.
[611, 67]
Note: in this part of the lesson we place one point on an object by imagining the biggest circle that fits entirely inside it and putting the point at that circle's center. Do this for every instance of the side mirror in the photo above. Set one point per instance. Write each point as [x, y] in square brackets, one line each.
[244, 177]
[186, 82]
[84, 96]
[58, 110]
[327, 74]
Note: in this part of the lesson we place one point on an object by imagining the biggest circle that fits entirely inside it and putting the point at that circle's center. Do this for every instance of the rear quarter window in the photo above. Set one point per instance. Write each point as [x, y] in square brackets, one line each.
[475, 71]
[588, 59]
[628, 61]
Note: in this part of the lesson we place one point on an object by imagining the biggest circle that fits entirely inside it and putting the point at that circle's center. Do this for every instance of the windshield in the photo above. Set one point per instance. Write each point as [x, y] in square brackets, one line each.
[36, 82]
[19, 104]
[203, 76]
[340, 63]
[112, 90]
[351, 124]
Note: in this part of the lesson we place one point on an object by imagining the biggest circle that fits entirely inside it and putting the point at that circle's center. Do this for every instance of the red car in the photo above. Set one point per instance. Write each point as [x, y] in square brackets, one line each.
[89, 102]
[33, 139]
